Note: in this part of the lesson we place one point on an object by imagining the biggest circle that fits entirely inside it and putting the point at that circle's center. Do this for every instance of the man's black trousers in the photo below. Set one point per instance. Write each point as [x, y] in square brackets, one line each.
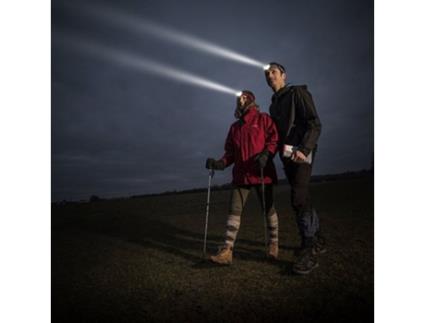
[298, 175]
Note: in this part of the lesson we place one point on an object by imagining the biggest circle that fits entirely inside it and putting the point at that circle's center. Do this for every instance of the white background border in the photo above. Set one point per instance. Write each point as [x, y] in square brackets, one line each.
[25, 161]
[399, 161]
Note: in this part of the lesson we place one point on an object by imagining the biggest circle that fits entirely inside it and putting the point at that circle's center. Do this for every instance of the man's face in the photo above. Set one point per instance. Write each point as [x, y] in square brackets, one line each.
[275, 77]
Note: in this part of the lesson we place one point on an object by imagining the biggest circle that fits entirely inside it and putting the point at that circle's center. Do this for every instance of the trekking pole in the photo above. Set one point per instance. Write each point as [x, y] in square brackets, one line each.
[263, 198]
[210, 176]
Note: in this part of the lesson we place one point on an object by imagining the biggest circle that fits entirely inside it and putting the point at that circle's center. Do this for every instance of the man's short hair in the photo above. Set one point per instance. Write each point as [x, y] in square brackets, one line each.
[279, 66]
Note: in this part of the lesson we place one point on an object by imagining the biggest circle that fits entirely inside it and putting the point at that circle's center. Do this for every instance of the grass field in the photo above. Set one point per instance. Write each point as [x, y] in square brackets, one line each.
[140, 260]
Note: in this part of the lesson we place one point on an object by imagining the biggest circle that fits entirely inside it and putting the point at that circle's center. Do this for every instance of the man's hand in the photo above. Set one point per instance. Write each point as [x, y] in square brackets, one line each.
[298, 156]
[211, 163]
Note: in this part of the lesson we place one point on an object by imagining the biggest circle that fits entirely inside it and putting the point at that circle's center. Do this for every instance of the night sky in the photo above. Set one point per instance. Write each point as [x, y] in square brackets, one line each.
[118, 131]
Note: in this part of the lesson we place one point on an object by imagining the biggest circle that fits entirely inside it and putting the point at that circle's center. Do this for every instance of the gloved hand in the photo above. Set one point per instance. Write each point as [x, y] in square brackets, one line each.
[211, 163]
[262, 158]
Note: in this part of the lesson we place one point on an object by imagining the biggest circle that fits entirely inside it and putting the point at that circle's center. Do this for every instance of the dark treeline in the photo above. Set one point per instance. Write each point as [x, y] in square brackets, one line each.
[314, 179]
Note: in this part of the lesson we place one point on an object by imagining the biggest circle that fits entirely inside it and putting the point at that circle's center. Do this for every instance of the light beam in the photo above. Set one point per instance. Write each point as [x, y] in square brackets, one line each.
[141, 25]
[143, 64]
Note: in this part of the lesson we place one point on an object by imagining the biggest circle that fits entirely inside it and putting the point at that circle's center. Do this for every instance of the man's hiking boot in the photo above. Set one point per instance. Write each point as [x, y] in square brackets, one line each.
[273, 250]
[223, 257]
[306, 262]
[319, 245]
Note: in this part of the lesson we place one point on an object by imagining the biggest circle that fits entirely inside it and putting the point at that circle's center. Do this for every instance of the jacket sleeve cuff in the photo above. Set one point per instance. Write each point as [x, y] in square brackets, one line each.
[222, 164]
[305, 150]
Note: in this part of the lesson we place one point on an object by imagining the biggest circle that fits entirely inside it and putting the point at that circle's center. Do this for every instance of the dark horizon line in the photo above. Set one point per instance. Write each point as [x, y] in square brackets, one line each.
[314, 178]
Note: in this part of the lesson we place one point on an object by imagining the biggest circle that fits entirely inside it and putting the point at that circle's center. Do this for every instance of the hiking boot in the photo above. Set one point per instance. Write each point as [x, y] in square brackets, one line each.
[319, 245]
[306, 262]
[273, 250]
[223, 257]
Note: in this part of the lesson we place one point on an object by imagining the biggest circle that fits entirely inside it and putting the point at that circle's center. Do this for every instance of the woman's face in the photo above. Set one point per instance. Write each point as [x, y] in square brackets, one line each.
[242, 101]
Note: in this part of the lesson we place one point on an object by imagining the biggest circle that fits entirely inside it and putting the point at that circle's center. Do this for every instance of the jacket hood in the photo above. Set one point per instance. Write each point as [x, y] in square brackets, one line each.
[238, 113]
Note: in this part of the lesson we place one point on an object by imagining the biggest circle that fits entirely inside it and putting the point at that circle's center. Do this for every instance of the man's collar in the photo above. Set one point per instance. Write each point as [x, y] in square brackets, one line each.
[281, 91]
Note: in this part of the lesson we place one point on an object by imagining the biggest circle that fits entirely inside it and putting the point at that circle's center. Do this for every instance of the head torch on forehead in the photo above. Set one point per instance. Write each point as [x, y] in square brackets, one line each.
[246, 93]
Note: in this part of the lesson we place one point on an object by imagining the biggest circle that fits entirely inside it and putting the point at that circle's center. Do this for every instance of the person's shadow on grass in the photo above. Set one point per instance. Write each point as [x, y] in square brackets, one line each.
[179, 241]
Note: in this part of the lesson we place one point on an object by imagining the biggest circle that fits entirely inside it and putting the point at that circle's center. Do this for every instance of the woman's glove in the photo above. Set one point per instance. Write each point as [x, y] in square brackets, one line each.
[211, 163]
[262, 158]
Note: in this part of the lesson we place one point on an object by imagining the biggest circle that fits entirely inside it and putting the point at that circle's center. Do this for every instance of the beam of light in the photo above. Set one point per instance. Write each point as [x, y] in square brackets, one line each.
[141, 25]
[143, 64]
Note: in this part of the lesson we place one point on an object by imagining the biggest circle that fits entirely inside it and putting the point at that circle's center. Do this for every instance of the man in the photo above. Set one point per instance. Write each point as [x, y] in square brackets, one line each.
[299, 127]
[250, 145]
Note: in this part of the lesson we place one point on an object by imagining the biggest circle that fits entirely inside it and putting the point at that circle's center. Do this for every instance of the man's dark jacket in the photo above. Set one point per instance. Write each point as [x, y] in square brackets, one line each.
[294, 113]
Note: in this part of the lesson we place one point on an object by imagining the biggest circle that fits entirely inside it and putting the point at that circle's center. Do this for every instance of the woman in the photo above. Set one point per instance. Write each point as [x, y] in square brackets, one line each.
[250, 145]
